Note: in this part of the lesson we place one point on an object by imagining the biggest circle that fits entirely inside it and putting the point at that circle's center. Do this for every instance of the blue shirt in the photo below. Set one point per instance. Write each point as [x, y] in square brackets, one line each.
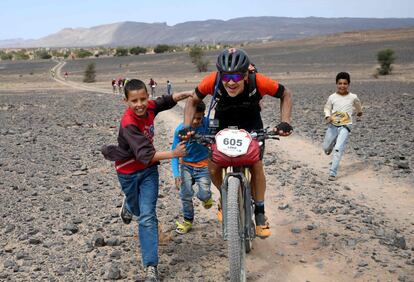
[195, 151]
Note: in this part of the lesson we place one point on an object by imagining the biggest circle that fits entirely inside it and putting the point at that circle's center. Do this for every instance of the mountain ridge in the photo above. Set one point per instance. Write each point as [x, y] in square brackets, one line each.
[237, 30]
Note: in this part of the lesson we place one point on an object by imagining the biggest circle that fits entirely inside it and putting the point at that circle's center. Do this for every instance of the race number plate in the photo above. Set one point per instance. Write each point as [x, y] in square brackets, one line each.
[233, 142]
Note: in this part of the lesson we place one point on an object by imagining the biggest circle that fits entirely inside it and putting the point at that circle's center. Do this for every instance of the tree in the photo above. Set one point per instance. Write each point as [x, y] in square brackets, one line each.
[121, 51]
[58, 54]
[90, 73]
[42, 54]
[82, 53]
[21, 55]
[385, 59]
[197, 58]
[5, 56]
[161, 48]
[137, 50]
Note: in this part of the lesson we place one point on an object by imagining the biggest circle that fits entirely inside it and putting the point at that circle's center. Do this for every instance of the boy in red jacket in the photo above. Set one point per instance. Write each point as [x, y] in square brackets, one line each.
[136, 163]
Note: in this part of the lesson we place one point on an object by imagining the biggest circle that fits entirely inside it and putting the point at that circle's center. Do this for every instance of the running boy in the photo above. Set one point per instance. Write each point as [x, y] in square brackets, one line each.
[338, 115]
[136, 165]
[194, 170]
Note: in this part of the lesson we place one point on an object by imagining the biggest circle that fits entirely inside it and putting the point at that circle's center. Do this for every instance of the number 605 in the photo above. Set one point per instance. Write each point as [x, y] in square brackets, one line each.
[232, 142]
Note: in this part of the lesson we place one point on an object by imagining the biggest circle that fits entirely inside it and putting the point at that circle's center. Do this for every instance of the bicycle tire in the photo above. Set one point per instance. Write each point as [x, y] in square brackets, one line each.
[235, 230]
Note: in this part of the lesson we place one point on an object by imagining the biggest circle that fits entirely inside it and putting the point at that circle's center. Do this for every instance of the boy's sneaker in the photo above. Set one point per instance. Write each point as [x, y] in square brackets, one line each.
[262, 226]
[183, 228]
[328, 152]
[151, 274]
[219, 212]
[208, 203]
[332, 178]
[124, 213]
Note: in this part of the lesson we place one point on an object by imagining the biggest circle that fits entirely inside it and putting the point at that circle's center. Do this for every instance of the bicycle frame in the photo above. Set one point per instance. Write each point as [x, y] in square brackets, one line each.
[236, 150]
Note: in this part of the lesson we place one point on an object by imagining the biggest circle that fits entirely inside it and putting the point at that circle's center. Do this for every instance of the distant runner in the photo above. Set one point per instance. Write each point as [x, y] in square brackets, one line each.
[169, 87]
[152, 85]
[338, 115]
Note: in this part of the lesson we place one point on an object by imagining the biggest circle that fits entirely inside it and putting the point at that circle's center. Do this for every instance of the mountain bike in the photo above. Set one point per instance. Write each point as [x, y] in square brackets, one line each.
[235, 150]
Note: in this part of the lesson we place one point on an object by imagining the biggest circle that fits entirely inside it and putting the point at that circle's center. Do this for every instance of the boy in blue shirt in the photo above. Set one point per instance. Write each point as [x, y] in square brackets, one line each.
[194, 170]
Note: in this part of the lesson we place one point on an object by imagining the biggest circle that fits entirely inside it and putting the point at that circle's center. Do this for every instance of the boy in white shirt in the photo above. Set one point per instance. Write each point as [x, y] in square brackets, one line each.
[338, 115]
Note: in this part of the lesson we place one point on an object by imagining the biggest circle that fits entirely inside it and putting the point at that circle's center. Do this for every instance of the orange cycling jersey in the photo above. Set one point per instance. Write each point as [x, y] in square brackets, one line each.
[264, 84]
[241, 111]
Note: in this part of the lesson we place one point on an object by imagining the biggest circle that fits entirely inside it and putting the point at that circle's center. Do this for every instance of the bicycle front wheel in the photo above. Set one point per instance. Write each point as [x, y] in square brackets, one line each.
[235, 231]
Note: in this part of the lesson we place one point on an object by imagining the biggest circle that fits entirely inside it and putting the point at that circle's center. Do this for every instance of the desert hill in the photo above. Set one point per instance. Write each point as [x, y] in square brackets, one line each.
[210, 31]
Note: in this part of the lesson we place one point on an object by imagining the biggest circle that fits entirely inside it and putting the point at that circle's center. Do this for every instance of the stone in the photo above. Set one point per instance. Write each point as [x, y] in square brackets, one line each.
[98, 240]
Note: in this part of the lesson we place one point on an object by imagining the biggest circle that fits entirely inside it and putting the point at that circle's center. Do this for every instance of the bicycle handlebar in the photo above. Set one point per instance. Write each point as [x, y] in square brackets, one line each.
[260, 135]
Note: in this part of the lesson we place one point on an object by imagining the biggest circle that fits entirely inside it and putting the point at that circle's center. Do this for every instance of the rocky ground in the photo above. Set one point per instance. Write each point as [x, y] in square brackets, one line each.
[60, 198]
[383, 138]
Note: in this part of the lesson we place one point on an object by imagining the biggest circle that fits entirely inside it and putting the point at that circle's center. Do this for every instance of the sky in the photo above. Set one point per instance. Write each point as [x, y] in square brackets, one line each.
[38, 18]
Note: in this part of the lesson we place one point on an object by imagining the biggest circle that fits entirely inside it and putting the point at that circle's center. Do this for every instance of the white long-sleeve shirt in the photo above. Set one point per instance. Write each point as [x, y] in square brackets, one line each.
[342, 103]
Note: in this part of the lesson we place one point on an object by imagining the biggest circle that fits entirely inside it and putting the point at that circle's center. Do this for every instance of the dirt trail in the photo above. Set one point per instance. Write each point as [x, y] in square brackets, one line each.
[308, 245]
[58, 77]
[287, 256]
[291, 257]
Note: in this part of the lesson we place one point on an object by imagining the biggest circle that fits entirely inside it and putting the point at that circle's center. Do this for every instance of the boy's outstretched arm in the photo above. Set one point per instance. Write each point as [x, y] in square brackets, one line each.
[190, 108]
[175, 161]
[179, 151]
[178, 96]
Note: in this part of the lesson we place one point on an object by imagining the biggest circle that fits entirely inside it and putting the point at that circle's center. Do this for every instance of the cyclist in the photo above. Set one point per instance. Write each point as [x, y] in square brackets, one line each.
[239, 94]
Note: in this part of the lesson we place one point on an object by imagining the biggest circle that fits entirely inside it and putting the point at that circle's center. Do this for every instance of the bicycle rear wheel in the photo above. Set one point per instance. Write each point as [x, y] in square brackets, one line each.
[235, 230]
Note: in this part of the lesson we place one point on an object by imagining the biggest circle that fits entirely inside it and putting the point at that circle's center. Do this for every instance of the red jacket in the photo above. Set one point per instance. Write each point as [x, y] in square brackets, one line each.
[135, 148]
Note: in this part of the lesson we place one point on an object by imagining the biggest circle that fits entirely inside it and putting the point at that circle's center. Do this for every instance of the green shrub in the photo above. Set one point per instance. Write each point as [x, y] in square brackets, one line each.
[21, 55]
[42, 54]
[121, 51]
[162, 48]
[202, 65]
[385, 58]
[83, 53]
[57, 53]
[5, 56]
[137, 50]
[90, 73]
[197, 58]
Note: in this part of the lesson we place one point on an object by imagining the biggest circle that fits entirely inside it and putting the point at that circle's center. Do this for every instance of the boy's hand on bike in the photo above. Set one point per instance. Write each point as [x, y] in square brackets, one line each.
[328, 120]
[177, 182]
[180, 150]
[283, 129]
[185, 133]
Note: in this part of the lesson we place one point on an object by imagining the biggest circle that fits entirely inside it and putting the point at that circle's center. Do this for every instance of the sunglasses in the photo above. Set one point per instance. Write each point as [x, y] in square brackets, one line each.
[236, 77]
